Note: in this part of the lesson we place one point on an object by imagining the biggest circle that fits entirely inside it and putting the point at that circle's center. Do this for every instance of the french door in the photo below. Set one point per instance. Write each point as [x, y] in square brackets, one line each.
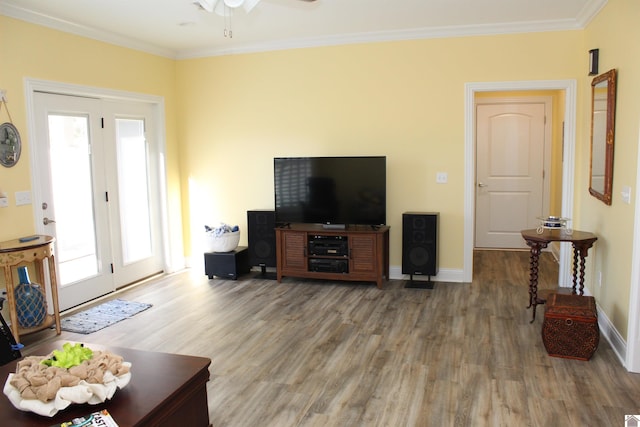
[98, 192]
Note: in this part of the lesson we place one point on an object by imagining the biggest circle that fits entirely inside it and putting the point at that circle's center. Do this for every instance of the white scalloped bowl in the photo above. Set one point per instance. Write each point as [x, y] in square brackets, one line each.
[226, 242]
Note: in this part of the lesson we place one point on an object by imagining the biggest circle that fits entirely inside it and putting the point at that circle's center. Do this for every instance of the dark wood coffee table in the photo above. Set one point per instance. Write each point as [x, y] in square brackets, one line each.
[165, 389]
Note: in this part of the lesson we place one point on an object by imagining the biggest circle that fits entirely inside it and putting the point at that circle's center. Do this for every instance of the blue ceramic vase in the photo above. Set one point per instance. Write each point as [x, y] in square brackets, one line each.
[31, 306]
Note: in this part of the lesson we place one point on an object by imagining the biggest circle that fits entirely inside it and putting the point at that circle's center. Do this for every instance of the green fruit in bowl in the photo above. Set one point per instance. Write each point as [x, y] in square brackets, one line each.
[69, 356]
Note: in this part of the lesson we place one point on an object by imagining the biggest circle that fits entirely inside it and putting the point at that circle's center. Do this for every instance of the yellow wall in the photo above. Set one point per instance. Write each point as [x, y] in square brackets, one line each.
[404, 100]
[611, 32]
[227, 117]
[36, 52]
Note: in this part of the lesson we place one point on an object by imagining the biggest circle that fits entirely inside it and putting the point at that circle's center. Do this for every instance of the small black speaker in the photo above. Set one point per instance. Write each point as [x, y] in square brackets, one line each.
[227, 265]
[420, 244]
[261, 236]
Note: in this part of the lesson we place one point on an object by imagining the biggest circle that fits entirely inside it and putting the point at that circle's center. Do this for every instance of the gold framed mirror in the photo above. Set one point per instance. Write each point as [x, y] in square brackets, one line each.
[603, 119]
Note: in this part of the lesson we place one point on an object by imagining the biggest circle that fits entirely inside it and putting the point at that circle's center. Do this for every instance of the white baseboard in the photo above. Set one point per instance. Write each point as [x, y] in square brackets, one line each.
[608, 331]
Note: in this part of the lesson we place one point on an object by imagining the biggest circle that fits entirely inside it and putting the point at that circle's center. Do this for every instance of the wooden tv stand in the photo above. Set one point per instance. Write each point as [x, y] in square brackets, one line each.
[356, 253]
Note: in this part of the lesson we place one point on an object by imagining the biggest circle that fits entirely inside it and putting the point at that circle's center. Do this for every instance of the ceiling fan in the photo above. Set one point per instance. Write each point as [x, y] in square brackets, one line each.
[221, 7]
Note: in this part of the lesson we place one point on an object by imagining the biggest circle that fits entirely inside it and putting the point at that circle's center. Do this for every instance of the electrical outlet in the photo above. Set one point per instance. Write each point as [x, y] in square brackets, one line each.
[626, 194]
[4, 202]
[23, 198]
[441, 177]
[599, 279]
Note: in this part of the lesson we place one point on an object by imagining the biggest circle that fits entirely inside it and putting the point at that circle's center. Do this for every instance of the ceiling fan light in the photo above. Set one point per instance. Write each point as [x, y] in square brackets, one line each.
[233, 3]
[221, 9]
[248, 5]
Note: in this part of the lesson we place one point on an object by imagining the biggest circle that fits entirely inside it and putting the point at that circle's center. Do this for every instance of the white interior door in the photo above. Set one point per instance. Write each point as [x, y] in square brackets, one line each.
[512, 154]
[96, 193]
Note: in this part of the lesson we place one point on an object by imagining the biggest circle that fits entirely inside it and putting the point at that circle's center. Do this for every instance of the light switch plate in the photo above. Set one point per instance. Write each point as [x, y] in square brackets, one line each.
[626, 194]
[442, 177]
[23, 198]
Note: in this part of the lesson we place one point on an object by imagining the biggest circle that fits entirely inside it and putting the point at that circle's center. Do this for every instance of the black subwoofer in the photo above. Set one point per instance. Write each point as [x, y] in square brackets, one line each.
[420, 244]
[228, 265]
[261, 238]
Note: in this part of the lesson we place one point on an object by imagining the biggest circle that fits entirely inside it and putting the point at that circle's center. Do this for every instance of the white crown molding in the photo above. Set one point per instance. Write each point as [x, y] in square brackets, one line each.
[387, 36]
[82, 30]
[591, 10]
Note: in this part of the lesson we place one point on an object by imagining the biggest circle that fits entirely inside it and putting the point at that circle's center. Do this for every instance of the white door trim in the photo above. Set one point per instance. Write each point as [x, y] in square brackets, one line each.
[570, 90]
[632, 361]
[171, 263]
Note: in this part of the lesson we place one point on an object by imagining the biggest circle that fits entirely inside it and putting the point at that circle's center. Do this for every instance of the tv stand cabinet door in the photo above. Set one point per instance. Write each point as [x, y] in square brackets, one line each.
[363, 254]
[293, 252]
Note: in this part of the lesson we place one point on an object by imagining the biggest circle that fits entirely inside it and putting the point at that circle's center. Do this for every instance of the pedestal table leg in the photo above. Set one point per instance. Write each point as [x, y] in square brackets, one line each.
[579, 250]
[575, 269]
[534, 257]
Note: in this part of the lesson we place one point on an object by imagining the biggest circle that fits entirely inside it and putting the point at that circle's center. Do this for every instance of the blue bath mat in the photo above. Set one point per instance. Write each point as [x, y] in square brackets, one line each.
[101, 316]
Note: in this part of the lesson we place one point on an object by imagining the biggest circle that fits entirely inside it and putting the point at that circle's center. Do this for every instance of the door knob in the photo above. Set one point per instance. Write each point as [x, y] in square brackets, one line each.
[480, 184]
[47, 221]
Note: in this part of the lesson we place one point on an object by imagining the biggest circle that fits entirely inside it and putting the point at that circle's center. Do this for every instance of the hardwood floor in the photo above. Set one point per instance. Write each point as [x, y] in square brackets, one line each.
[315, 353]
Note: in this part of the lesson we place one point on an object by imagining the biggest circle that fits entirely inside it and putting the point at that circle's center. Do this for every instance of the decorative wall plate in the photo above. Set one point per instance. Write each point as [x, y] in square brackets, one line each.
[10, 145]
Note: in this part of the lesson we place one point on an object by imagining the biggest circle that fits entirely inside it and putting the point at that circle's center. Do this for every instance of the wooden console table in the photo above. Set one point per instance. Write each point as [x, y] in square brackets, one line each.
[14, 253]
[165, 390]
[581, 241]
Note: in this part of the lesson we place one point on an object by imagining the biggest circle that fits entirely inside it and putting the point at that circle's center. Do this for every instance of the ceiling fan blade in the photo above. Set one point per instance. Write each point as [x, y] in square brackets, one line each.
[207, 5]
[218, 6]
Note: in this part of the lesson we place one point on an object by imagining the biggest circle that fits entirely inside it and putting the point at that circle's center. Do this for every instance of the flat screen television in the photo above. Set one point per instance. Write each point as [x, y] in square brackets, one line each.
[334, 191]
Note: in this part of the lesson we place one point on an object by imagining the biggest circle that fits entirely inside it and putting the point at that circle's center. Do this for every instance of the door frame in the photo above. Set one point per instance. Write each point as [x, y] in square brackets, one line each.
[158, 111]
[548, 139]
[632, 356]
[568, 165]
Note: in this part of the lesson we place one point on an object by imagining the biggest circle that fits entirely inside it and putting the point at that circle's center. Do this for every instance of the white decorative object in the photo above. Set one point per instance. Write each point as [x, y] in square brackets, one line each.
[84, 392]
[225, 242]
[554, 223]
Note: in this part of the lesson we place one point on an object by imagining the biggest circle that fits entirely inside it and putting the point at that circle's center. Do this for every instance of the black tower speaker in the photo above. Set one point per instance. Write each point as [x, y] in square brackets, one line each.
[262, 239]
[420, 247]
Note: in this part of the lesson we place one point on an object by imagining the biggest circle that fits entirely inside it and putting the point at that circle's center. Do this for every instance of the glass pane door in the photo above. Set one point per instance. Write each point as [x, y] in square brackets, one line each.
[133, 178]
[70, 198]
[71, 183]
[135, 215]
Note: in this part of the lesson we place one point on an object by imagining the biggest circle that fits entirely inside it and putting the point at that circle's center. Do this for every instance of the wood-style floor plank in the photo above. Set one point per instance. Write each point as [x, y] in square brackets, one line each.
[317, 353]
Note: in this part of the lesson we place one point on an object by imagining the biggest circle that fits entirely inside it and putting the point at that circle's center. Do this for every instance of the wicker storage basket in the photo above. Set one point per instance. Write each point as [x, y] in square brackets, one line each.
[570, 328]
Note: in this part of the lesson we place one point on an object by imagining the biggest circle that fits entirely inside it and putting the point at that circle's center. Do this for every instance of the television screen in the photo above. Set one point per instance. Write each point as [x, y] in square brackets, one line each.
[330, 190]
